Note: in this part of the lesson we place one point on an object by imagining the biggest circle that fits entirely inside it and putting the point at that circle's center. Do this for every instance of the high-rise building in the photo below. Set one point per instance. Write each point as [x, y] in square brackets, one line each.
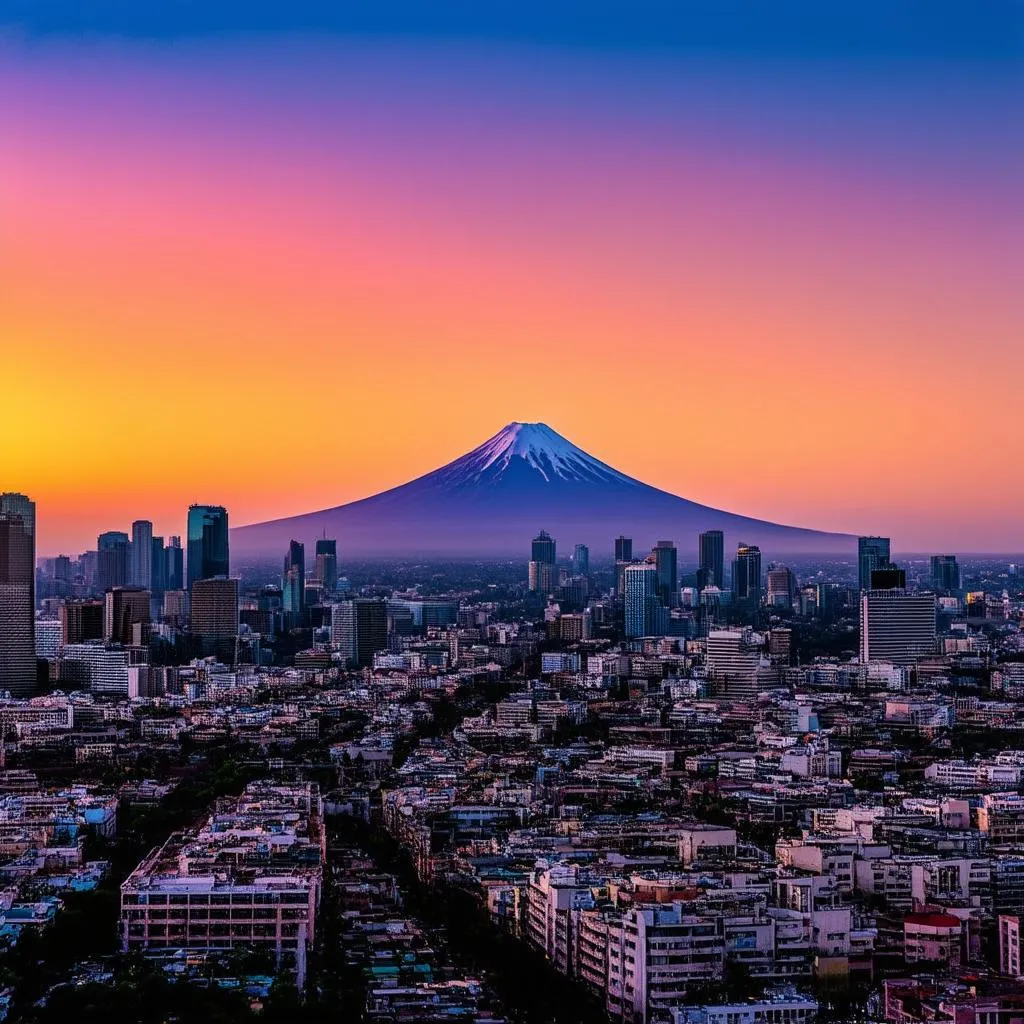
[123, 607]
[141, 574]
[543, 578]
[207, 542]
[17, 594]
[945, 574]
[581, 560]
[1010, 962]
[781, 586]
[174, 562]
[293, 579]
[81, 621]
[112, 559]
[213, 607]
[889, 578]
[896, 626]
[623, 549]
[733, 660]
[359, 628]
[872, 553]
[711, 559]
[746, 574]
[327, 564]
[640, 586]
[158, 566]
[666, 562]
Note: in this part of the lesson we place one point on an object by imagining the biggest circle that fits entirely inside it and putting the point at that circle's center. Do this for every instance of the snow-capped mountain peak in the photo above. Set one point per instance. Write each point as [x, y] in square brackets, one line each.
[538, 447]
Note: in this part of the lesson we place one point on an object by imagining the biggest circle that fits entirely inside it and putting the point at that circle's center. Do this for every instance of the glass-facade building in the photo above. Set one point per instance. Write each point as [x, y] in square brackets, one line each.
[207, 542]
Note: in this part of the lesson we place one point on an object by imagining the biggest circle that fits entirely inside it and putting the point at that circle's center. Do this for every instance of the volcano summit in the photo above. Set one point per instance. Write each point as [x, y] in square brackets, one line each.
[492, 500]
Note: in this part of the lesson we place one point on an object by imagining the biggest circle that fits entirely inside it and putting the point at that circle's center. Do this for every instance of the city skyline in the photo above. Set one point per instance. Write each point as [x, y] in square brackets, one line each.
[403, 220]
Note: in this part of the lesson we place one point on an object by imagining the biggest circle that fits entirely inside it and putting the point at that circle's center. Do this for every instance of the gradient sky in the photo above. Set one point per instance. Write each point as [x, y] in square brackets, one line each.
[280, 256]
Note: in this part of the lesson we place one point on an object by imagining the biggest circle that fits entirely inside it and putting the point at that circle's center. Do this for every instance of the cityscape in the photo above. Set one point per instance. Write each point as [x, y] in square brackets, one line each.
[682, 782]
[511, 512]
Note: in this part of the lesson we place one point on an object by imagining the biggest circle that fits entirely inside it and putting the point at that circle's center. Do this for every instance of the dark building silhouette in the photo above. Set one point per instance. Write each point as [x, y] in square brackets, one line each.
[945, 574]
[81, 621]
[327, 564]
[543, 578]
[214, 616]
[293, 579]
[872, 553]
[207, 542]
[581, 560]
[711, 559]
[123, 607]
[746, 574]
[623, 549]
[17, 594]
[360, 629]
[174, 565]
[140, 573]
[888, 578]
[666, 562]
[112, 559]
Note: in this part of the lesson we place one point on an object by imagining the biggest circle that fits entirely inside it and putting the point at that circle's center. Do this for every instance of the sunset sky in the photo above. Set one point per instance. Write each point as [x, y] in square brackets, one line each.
[278, 257]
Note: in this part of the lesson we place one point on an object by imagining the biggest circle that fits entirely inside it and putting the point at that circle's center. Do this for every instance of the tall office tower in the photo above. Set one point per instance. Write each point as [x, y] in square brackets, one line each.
[711, 559]
[141, 574]
[543, 578]
[158, 566]
[623, 549]
[175, 607]
[746, 574]
[327, 564]
[81, 621]
[733, 660]
[123, 607]
[174, 564]
[896, 626]
[214, 615]
[781, 586]
[17, 594]
[62, 576]
[293, 579]
[207, 542]
[872, 553]
[945, 574]
[581, 560]
[112, 560]
[359, 628]
[640, 586]
[665, 560]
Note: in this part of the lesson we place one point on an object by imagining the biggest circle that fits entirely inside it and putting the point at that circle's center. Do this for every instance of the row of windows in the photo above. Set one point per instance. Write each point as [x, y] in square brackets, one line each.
[217, 898]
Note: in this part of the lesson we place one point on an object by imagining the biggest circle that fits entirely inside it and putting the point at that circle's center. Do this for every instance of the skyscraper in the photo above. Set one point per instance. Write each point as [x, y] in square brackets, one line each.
[623, 549]
[581, 560]
[360, 629]
[665, 560]
[896, 626]
[327, 564]
[81, 621]
[872, 553]
[781, 586]
[17, 594]
[174, 562]
[640, 585]
[746, 574]
[711, 559]
[293, 580]
[141, 574]
[123, 607]
[543, 578]
[945, 574]
[158, 566]
[207, 542]
[214, 616]
[112, 559]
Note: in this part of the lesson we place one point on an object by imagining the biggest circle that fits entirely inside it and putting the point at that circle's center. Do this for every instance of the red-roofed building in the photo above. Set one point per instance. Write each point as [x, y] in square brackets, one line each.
[933, 937]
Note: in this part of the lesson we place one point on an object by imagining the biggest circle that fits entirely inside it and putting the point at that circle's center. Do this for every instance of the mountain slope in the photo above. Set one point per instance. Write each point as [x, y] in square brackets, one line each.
[493, 499]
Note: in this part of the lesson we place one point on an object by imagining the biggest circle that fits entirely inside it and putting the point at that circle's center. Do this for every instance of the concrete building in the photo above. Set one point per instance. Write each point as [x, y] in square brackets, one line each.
[17, 594]
[896, 627]
[214, 617]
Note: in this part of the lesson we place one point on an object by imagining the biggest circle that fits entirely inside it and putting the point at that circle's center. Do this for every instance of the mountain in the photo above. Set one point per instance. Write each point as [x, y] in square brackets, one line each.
[494, 499]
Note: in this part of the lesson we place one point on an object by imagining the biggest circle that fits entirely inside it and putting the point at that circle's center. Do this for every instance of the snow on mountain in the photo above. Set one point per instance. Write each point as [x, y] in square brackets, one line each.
[541, 448]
